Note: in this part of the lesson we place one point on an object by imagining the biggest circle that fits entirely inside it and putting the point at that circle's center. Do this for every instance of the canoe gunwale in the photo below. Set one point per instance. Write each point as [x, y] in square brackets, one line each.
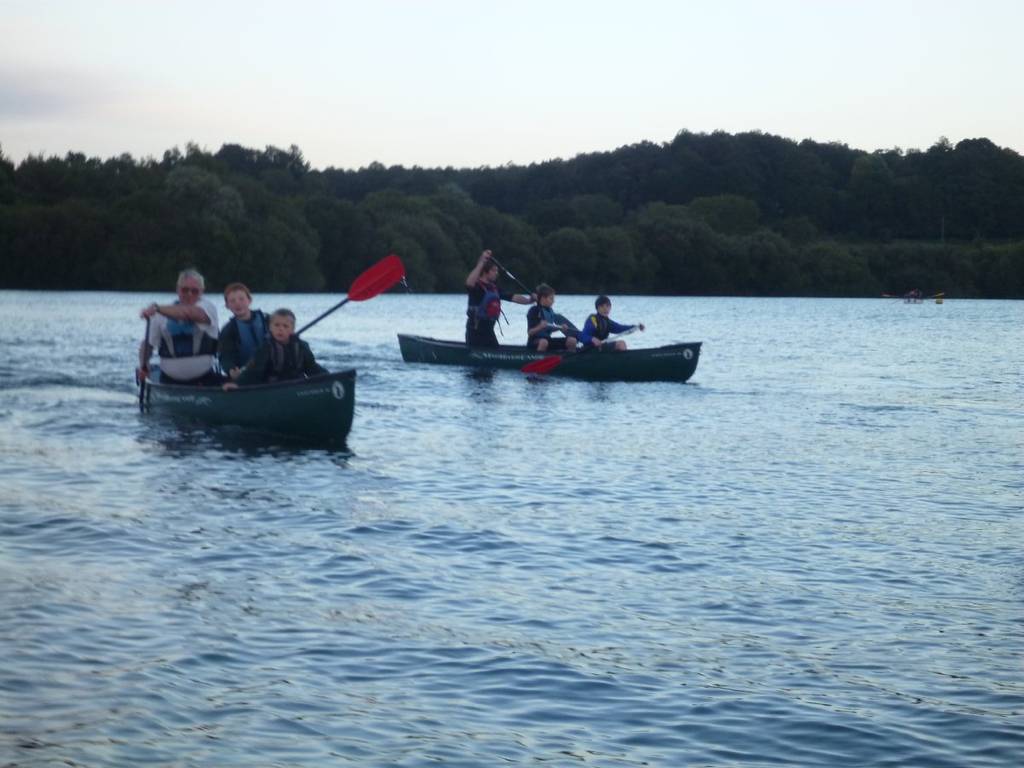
[348, 373]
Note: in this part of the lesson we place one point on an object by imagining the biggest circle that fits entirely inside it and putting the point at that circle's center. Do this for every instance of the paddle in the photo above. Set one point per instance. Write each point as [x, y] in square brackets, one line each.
[563, 320]
[140, 377]
[375, 280]
[549, 363]
[544, 365]
[529, 291]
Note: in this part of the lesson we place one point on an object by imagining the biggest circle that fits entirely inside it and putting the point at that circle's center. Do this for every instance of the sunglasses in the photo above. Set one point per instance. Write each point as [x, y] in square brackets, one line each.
[188, 289]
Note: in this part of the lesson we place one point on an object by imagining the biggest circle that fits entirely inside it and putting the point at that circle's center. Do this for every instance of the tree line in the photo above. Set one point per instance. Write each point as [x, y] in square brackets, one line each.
[704, 214]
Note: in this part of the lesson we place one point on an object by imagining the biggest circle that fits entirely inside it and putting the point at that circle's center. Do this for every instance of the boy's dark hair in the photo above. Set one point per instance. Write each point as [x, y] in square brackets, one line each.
[600, 301]
[284, 313]
[543, 290]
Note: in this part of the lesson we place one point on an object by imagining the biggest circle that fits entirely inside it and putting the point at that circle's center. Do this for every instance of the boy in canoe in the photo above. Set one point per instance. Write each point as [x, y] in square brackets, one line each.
[542, 321]
[284, 356]
[599, 325]
[243, 334]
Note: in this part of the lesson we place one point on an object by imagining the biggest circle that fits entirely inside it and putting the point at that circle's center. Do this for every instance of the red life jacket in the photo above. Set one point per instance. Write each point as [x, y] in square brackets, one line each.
[490, 304]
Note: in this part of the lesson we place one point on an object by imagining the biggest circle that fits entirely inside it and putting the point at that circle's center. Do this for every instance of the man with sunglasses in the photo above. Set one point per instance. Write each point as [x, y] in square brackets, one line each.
[184, 334]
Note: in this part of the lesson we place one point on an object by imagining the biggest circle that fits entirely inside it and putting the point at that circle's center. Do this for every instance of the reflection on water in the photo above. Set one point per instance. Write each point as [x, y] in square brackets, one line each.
[183, 437]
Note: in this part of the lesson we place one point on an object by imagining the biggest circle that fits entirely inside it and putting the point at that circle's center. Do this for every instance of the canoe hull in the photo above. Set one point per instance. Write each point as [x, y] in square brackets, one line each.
[675, 362]
[319, 408]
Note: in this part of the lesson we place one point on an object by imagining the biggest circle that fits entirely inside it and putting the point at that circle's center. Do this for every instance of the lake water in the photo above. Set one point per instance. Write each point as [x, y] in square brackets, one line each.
[808, 555]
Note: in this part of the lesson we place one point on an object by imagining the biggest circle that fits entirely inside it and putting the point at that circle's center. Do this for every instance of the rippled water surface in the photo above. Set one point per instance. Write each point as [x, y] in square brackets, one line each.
[809, 555]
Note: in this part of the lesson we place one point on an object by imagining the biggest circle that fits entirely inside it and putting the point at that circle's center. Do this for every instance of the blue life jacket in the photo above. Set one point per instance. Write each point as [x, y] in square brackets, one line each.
[187, 340]
[547, 314]
[251, 334]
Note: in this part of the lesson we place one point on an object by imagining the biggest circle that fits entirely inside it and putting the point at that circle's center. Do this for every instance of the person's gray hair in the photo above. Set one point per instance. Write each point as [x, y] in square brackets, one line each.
[185, 274]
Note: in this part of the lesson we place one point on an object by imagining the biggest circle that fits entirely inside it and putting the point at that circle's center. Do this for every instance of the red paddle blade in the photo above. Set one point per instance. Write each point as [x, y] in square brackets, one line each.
[377, 279]
[544, 365]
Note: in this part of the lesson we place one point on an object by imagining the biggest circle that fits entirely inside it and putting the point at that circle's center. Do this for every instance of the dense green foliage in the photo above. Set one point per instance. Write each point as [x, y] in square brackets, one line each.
[747, 214]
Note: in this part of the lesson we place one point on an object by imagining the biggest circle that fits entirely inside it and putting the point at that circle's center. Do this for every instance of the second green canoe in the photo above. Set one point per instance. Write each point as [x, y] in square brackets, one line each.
[675, 362]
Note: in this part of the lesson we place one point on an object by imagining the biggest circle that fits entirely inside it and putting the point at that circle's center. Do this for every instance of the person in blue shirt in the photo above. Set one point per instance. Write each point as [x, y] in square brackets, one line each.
[599, 325]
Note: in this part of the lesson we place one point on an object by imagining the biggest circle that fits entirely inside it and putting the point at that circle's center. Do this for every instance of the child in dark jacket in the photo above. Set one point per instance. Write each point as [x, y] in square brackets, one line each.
[542, 321]
[284, 356]
[243, 335]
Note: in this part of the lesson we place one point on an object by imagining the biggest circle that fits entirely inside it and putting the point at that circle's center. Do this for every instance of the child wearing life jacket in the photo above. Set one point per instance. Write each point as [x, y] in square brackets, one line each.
[483, 306]
[284, 356]
[542, 321]
[599, 325]
[242, 335]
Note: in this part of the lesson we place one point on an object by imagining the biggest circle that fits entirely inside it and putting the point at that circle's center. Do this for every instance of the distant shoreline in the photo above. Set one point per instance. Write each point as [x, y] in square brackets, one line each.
[704, 215]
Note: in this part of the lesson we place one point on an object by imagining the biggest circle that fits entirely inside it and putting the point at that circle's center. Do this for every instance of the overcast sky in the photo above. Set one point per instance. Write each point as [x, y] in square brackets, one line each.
[460, 83]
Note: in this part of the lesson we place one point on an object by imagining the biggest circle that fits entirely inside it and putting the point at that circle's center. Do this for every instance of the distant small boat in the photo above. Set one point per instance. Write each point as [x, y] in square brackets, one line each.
[675, 362]
[916, 297]
[319, 408]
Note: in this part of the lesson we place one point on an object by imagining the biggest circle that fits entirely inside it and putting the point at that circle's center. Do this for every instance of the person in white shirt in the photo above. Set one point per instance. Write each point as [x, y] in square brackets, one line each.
[184, 334]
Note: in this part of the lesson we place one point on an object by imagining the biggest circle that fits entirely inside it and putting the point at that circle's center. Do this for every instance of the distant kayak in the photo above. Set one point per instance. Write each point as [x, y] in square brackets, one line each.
[319, 408]
[674, 362]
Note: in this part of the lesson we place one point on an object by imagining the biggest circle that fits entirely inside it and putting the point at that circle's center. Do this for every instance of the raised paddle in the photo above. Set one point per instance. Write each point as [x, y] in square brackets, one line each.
[375, 280]
[529, 292]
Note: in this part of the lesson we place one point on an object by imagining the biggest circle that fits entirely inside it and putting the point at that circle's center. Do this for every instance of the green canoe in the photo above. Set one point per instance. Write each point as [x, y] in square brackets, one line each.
[318, 408]
[675, 362]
